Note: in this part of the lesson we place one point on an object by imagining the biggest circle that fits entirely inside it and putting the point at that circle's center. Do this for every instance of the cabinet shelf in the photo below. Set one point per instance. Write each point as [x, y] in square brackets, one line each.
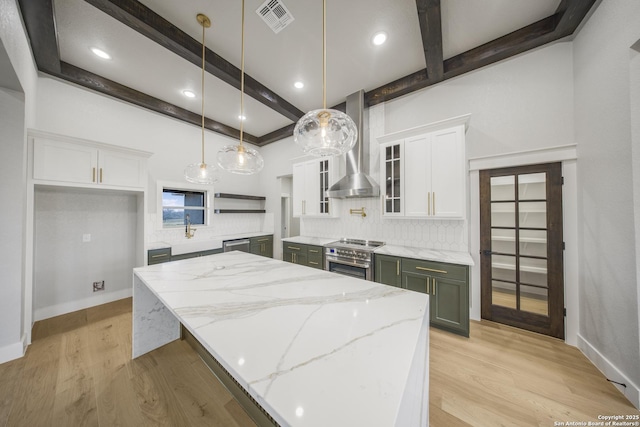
[224, 211]
[522, 239]
[238, 196]
[539, 270]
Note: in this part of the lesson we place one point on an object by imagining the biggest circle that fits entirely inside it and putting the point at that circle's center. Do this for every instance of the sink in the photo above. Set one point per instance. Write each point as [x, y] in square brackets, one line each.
[195, 246]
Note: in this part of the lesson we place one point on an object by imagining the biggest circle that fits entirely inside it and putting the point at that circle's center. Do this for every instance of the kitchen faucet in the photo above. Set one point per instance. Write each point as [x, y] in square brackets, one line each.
[188, 231]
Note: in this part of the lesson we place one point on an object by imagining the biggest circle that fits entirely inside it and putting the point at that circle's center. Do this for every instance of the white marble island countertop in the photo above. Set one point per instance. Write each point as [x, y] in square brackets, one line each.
[313, 348]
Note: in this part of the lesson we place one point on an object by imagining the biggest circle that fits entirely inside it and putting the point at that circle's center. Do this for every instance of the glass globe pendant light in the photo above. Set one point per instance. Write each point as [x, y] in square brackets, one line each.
[325, 132]
[202, 173]
[239, 159]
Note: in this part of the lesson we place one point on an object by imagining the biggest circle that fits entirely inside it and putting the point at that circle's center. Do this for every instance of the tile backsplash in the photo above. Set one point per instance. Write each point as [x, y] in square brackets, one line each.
[221, 225]
[449, 235]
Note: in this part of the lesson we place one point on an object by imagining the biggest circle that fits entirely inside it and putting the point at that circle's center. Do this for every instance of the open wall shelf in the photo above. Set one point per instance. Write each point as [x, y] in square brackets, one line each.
[244, 204]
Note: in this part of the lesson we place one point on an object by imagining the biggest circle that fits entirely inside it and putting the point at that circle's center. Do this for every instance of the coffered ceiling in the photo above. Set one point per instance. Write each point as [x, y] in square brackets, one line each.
[155, 48]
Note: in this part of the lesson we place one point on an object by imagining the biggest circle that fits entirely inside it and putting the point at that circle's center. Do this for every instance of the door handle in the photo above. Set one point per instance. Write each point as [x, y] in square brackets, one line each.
[485, 252]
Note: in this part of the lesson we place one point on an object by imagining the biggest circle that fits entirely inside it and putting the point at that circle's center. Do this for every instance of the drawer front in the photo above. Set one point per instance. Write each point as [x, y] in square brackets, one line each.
[315, 257]
[435, 269]
[158, 256]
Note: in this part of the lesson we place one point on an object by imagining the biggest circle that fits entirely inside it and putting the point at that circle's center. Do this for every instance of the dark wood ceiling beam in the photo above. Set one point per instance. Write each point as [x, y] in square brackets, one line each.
[572, 13]
[39, 21]
[148, 23]
[430, 19]
[100, 84]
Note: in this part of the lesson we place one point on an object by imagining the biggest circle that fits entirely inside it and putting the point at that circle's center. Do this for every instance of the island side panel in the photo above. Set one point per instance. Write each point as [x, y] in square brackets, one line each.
[414, 407]
[153, 324]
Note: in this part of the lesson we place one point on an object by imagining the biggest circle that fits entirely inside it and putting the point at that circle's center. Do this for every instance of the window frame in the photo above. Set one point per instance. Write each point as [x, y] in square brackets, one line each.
[183, 186]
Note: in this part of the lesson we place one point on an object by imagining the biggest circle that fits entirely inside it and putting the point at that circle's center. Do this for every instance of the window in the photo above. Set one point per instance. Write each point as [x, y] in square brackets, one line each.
[180, 206]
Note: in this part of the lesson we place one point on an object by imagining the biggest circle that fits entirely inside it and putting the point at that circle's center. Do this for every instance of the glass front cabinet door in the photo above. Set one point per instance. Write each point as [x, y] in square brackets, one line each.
[393, 184]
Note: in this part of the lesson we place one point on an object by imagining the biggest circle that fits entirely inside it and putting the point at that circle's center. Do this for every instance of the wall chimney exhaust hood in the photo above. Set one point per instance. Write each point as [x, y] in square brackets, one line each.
[356, 182]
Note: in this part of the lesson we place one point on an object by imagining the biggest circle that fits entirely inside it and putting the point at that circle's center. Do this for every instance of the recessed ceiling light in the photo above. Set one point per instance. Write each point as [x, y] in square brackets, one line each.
[379, 38]
[243, 118]
[188, 93]
[100, 53]
[299, 85]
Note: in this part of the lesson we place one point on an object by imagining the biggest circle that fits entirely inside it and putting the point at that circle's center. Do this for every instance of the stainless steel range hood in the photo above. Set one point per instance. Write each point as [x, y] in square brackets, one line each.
[356, 182]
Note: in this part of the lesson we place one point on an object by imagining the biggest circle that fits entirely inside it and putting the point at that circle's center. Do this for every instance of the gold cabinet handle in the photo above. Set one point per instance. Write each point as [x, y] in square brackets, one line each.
[433, 212]
[434, 287]
[313, 251]
[293, 258]
[397, 267]
[293, 248]
[263, 240]
[433, 270]
[429, 203]
[100, 174]
[159, 256]
[93, 175]
[304, 207]
[314, 263]
[428, 287]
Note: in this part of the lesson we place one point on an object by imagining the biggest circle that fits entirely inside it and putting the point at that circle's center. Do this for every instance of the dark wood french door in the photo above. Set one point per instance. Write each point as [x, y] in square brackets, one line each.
[521, 247]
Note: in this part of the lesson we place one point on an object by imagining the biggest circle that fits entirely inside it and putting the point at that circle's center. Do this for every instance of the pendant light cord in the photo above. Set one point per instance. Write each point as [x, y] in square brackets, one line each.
[202, 88]
[324, 54]
[242, 79]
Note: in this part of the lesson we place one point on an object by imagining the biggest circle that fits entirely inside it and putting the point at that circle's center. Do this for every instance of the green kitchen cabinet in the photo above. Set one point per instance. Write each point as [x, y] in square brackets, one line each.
[446, 284]
[387, 270]
[262, 245]
[158, 256]
[309, 255]
[196, 254]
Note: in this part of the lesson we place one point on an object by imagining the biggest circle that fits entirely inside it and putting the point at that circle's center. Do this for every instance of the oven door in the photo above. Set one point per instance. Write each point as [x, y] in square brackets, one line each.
[357, 269]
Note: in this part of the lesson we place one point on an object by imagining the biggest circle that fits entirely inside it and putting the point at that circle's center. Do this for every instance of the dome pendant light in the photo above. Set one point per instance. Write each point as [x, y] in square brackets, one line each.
[239, 159]
[325, 132]
[202, 173]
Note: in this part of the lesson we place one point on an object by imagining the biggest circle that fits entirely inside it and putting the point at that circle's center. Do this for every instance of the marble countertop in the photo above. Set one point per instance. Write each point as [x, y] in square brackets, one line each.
[452, 257]
[313, 348]
[307, 240]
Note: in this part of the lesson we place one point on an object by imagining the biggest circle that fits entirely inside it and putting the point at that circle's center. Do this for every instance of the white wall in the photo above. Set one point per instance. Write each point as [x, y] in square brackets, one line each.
[609, 324]
[16, 112]
[66, 265]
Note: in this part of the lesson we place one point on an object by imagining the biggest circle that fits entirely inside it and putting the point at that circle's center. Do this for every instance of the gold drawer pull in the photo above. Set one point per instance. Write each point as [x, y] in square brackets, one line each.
[93, 175]
[314, 263]
[314, 251]
[100, 174]
[293, 248]
[159, 256]
[397, 267]
[263, 240]
[433, 270]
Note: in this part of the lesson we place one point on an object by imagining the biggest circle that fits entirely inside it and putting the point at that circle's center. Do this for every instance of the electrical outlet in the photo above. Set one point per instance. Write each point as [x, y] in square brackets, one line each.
[98, 286]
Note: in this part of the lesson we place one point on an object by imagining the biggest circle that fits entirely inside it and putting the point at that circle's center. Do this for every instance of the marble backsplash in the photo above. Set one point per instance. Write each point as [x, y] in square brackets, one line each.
[449, 235]
[221, 225]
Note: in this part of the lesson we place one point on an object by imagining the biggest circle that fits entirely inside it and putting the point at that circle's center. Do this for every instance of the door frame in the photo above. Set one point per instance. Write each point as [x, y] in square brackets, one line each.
[566, 154]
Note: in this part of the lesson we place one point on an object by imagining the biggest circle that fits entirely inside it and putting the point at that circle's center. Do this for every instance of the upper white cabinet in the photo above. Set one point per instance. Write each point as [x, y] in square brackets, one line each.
[423, 171]
[87, 164]
[311, 180]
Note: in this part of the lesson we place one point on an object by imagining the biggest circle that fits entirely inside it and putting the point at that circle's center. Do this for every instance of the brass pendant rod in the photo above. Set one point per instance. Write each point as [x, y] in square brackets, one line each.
[202, 90]
[242, 79]
[324, 54]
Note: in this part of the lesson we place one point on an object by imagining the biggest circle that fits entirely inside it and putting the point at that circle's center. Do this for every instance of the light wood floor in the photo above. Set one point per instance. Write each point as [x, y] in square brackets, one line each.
[79, 372]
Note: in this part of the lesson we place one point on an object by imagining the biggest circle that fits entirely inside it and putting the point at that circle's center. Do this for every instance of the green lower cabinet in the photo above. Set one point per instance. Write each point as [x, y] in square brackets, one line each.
[387, 270]
[262, 245]
[309, 255]
[446, 284]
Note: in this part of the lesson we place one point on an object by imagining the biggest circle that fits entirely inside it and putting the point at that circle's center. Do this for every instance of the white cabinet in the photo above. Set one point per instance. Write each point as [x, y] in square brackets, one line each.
[423, 171]
[88, 164]
[311, 180]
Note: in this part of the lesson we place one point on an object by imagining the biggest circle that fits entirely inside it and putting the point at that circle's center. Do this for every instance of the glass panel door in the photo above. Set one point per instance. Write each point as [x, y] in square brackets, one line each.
[521, 238]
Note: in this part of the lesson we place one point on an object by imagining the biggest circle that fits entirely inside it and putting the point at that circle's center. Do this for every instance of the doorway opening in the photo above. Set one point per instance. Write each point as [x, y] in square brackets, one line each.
[521, 243]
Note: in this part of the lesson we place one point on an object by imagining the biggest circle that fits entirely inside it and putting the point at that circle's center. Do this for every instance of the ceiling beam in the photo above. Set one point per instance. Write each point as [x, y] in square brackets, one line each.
[40, 22]
[562, 23]
[98, 83]
[430, 19]
[148, 23]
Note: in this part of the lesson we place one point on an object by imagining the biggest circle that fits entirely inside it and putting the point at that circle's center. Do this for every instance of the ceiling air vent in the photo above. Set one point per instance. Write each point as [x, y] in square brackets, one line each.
[275, 14]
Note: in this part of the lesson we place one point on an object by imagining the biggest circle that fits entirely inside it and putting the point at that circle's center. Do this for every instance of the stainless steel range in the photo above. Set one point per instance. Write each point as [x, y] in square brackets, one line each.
[351, 257]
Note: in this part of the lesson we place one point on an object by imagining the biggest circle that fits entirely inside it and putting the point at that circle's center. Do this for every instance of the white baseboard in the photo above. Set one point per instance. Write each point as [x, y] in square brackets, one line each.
[71, 306]
[13, 351]
[631, 392]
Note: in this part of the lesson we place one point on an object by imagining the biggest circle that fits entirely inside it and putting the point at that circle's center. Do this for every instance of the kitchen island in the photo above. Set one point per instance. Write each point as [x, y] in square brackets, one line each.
[312, 348]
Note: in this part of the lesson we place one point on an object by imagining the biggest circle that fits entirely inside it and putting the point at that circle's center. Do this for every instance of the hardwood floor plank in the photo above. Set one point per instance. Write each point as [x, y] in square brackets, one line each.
[79, 372]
